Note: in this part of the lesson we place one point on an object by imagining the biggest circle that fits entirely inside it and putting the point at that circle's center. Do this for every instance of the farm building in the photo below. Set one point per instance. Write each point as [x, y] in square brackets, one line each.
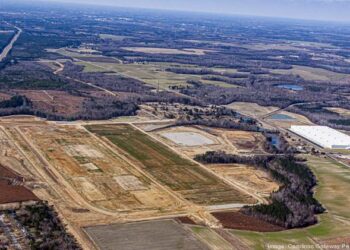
[323, 136]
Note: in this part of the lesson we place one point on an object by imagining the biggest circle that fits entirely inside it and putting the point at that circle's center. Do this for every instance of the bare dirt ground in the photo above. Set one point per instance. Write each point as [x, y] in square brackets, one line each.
[95, 172]
[252, 179]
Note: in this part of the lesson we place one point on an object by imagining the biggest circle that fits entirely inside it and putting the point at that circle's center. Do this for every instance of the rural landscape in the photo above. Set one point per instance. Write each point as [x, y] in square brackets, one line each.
[141, 129]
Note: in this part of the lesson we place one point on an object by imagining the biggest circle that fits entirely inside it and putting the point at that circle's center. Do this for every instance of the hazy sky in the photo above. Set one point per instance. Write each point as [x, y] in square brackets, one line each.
[305, 9]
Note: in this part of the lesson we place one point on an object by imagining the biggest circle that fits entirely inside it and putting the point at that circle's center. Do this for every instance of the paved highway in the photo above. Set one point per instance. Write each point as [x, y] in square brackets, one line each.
[9, 46]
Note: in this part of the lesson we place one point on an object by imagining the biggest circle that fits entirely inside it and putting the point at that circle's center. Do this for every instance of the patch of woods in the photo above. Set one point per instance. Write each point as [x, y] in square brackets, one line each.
[293, 205]
[44, 228]
[219, 117]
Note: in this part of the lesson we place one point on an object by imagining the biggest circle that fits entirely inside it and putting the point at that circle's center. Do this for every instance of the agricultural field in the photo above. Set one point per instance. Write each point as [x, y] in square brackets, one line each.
[333, 228]
[155, 235]
[99, 175]
[239, 221]
[181, 175]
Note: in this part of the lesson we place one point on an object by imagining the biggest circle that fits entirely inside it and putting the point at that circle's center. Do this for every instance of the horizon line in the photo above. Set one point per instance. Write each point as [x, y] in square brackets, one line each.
[214, 13]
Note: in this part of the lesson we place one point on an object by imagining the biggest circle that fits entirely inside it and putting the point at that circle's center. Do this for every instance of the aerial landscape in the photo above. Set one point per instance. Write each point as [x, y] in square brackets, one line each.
[129, 128]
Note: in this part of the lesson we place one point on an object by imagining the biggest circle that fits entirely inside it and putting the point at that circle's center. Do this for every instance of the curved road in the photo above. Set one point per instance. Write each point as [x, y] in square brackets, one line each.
[9, 46]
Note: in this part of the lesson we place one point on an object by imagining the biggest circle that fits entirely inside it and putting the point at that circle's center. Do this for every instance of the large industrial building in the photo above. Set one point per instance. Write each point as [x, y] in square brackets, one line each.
[323, 136]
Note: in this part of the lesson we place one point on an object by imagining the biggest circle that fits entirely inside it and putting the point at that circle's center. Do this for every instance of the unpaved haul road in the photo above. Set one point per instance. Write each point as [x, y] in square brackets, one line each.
[9, 46]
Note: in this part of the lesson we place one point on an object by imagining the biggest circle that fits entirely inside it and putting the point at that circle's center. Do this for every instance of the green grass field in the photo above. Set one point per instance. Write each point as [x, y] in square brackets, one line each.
[179, 174]
[332, 191]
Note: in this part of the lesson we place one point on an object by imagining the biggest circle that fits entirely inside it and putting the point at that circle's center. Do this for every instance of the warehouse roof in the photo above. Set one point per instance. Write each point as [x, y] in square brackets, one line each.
[323, 136]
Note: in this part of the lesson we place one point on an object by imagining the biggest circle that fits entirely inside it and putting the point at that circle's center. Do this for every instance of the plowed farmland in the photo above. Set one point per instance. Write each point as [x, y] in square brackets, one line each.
[170, 169]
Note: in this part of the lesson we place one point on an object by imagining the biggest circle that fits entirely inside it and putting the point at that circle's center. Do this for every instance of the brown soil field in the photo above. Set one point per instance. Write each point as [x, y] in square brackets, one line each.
[237, 220]
[56, 102]
[186, 220]
[99, 175]
[252, 179]
[12, 189]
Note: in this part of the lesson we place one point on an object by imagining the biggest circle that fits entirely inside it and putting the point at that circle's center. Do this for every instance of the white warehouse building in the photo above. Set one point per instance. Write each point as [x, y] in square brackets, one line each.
[323, 136]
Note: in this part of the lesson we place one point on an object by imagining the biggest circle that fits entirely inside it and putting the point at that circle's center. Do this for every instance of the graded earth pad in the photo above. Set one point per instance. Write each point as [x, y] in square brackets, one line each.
[99, 175]
[181, 175]
[152, 235]
[250, 178]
